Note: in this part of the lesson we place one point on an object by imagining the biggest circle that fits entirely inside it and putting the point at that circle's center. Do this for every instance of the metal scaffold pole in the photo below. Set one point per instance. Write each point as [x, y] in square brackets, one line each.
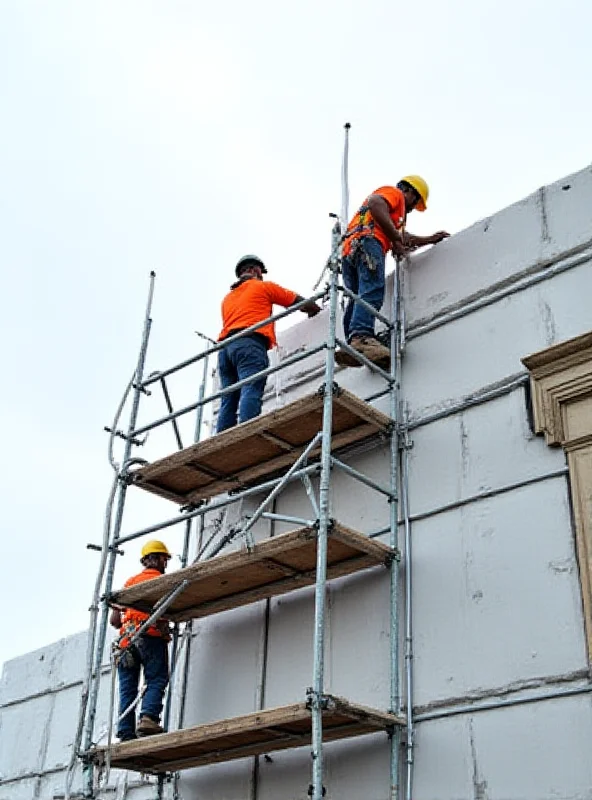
[186, 540]
[406, 444]
[316, 695]
[345, 180]
[175, 654]
[122, 490]
[395, 372]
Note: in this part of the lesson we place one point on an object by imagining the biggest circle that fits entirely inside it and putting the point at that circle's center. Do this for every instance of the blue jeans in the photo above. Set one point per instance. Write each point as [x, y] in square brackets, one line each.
[369, 284]
[153, 656]
[239, 360]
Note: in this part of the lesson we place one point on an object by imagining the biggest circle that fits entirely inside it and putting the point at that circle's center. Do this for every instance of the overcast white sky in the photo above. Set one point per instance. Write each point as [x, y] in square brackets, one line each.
[177, 136]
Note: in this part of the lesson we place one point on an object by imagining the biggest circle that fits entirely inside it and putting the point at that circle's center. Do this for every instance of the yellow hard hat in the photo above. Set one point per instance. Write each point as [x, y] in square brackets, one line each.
[421, 188]
[155, 546]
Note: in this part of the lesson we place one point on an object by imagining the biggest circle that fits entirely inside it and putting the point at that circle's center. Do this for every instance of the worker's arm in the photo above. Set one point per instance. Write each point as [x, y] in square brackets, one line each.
[379, 208]
[413, 242]
[115, 618]
[287, 298]
[310, 307]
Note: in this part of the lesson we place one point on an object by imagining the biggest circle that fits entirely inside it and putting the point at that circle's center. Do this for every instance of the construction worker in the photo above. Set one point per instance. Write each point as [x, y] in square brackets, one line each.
[250, 300]
[378, 226]
[149, 651]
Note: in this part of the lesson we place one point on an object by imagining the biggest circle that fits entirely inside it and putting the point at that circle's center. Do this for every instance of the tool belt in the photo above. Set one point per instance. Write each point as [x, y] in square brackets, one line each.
[130, 657]
[358, 251]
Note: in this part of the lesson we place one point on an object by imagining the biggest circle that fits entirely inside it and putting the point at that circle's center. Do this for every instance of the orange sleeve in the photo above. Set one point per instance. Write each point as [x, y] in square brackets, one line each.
[280, 296]
[394, 198]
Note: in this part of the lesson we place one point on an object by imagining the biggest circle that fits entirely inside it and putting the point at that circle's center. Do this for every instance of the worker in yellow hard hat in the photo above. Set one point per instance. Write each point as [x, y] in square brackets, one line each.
[377, 227]
[149, 652]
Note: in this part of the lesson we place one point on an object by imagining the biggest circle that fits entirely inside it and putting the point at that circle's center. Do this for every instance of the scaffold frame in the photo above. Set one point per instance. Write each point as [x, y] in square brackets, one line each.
[301, 470]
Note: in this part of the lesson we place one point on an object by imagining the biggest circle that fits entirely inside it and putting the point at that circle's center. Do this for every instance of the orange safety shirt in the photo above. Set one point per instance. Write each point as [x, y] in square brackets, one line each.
[132, 619]
[363, 223]
[251, 302]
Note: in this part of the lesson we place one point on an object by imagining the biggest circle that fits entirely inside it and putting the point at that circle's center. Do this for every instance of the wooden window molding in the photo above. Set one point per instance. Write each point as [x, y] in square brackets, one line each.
[561, 383]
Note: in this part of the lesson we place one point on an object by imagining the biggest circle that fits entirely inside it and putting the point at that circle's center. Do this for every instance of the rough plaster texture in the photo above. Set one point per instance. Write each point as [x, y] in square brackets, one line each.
[496, 596]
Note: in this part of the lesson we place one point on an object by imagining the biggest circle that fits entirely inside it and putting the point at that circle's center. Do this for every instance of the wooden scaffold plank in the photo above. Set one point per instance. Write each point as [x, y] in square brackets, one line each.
[248, 735]
[274, 566]
[259, 448]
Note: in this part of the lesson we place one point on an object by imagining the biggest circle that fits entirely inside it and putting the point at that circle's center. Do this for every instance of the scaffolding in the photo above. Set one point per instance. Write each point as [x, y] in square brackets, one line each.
[305, 438]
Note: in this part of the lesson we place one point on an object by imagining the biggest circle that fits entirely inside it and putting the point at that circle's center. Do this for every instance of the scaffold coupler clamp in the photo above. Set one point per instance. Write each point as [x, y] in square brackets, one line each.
[315, 699]
[125, 475]
[311, 790]
[336, 389]
[394, 557]
[121, 435]
[99, 548]
[404, 441]
[139, 387]
[189, 507]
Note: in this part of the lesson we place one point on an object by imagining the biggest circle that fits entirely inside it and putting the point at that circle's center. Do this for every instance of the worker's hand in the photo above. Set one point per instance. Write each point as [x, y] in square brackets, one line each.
[313, 310]
[399, 250]
[439, 236]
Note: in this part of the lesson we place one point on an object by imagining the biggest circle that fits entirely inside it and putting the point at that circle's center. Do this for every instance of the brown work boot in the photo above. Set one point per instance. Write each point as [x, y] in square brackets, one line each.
[374, 351]
[148, 727]
[344, 359]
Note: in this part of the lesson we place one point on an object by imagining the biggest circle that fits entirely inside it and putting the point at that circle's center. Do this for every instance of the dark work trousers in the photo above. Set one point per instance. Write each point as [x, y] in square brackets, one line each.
[366, 282]
[152, 656]
[237, 361]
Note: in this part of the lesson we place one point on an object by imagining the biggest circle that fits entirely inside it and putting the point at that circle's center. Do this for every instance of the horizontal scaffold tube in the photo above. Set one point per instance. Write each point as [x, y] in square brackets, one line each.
[226, 501]
[215, 348]
[365, 305]
[234, 388]
[359, 476]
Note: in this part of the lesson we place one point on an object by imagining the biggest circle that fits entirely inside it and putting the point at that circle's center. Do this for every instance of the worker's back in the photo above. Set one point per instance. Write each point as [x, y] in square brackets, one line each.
[251, 302]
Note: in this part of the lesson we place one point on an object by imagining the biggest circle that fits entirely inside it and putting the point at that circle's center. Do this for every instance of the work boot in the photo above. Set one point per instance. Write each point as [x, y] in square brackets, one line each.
[127, 737]
[344, 359]
[370, 347]
[384, 337]
[148, 727]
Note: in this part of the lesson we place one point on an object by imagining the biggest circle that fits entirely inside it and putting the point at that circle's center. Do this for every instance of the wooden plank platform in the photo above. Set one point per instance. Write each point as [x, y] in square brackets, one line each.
[275, 566]
[248, 735]
[258, 449]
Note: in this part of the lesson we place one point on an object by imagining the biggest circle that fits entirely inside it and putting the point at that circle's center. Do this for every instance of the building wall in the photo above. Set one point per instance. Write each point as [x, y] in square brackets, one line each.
[501, 669]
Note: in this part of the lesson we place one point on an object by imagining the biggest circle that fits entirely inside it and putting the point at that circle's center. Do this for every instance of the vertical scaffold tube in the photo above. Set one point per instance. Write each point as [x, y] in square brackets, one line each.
[408, 614]
[100, 646]
[185, 552]
[188, 633]
[321, 576]
[395, 371]
[345, 181]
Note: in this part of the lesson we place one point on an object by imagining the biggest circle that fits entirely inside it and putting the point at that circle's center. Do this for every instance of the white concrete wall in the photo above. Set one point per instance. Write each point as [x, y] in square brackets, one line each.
[496, 598]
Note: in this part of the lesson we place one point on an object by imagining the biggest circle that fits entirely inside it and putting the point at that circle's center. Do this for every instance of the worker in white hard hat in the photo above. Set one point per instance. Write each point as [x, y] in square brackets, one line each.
[149, 652]
[377, 227]
[250, 300]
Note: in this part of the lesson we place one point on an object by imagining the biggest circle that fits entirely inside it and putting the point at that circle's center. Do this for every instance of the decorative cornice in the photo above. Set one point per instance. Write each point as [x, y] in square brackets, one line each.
[561, 379]
[553, 356]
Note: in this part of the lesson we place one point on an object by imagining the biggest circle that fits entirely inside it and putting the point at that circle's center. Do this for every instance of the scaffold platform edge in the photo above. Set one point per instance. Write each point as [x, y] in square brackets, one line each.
[252, 734]
[258, 449]
[275, 566]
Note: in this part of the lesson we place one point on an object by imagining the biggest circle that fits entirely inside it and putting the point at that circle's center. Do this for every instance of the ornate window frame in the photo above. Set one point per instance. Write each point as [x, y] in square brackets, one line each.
[561, 384]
